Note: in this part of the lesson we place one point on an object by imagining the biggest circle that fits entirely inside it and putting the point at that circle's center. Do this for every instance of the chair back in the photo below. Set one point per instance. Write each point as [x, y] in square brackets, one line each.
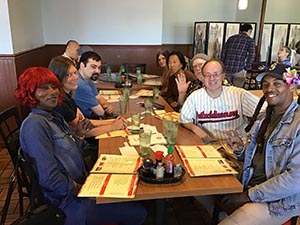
[10, 122]
[29, 177]
[131, 67]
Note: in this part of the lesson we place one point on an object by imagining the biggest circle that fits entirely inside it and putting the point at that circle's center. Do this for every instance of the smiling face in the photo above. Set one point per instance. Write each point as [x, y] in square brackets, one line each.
[70, 82]
[277, 93]
[174, 64]
[47, 96]
[162, 61]
[213, 77]
[197, 67]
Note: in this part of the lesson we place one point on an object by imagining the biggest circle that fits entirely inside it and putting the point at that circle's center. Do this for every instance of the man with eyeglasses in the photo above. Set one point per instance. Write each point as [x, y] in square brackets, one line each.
[211, 110]
[90, 102]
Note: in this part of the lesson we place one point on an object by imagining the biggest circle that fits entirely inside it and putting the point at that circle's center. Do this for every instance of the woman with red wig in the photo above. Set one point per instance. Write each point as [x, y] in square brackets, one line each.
[54, 150]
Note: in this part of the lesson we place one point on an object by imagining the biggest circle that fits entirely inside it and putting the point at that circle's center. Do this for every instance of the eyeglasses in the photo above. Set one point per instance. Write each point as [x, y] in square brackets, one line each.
[214, 75]
[70, 74]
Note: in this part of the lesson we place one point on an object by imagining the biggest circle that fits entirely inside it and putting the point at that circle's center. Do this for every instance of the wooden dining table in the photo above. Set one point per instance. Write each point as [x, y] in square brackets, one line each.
[188, 186]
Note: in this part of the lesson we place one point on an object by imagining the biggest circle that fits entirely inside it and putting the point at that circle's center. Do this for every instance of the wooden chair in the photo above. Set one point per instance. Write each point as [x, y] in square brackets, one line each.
[10, 122]
[131, 67]
[23, 171]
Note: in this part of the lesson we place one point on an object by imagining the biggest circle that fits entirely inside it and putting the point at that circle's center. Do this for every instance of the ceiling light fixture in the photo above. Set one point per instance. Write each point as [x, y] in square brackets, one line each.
[243, 4]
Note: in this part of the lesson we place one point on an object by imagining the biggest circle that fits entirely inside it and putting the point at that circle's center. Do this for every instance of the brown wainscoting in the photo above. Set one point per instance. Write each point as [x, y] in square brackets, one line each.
[36, 57]
[11, 66]
[8, 81]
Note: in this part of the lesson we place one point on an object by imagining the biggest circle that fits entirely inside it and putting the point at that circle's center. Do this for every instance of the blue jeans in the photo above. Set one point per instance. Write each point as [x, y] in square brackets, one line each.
[85, 211]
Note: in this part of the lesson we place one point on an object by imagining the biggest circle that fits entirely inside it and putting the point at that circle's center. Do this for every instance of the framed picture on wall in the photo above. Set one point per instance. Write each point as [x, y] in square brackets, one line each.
[215, 39]
[231, 29]
[265, 51]
[294, 35]
[200, 37]
[280, 35]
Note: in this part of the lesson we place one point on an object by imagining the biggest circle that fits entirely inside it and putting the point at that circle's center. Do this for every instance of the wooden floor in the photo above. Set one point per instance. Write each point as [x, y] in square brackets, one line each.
[6, 169]
[179, 211]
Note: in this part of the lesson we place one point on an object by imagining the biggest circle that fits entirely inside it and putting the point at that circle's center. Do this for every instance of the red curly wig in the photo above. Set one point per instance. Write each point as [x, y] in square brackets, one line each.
[30, 80]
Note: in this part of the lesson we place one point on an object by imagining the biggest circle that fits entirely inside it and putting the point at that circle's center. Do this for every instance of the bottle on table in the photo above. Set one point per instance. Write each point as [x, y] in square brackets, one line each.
[139, 77]
[122, 74]
[169, 161]
[108, 72]
[160, 171]
[158, 157]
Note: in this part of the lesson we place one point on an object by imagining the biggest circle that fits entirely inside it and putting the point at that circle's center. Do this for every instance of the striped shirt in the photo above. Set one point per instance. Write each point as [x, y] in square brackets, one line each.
[226, 112]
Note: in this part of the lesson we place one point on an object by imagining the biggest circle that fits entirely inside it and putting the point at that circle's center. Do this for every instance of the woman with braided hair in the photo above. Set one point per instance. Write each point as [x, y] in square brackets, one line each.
[271, 173]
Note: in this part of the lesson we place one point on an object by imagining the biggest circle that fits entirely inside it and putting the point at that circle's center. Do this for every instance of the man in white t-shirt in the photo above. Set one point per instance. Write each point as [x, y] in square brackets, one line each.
[210, 111]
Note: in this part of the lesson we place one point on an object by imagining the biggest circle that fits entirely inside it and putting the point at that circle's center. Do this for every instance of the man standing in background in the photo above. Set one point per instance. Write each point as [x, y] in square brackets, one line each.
[71, 51]
[238, 55]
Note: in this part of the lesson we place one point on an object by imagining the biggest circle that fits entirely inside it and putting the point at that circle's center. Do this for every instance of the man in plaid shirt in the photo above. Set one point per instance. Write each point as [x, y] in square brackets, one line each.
[238, 55]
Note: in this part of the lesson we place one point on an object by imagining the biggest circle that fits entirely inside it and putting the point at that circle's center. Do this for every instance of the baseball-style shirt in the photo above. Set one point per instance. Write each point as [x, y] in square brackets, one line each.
[226, 112]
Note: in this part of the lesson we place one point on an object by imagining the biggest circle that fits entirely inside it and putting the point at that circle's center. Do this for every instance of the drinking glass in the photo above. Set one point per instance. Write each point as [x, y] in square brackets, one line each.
[123, 105]
[172, 132]
[126, 93]
[135, 123]
[155, 91]
[148, 107]
[145, 141]
[167, 120]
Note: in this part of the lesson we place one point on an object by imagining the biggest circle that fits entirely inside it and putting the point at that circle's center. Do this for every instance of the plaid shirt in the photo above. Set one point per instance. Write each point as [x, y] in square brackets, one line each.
[238, 53]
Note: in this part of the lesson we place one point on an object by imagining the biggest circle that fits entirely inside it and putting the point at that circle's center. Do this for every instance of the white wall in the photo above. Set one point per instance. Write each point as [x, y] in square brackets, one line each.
[103, 22]
[279, 11]
[179, 17]
[26, 24]
[5, 32]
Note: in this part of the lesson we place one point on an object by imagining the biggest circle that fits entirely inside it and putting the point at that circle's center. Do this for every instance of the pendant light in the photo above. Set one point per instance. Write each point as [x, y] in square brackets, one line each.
[243, 4]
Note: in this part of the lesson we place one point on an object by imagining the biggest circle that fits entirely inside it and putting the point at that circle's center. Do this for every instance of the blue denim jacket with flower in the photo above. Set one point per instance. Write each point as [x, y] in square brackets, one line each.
[281, 190]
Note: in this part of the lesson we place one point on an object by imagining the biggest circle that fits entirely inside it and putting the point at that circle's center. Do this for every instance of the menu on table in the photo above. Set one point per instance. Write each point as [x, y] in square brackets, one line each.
[174, 115]
[109, 185]
[109, 163]
[115, 133]
[203, 160]
[197, 151]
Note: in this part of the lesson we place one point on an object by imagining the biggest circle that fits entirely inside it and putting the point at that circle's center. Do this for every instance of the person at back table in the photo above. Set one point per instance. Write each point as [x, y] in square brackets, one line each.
[186, 88]
[238, 55]
[271, 173]
[211, 110]
[71, 51]
[54, 150]
[87, 97]
[176, 65]
[284, 55]
[297, 56]
[161, 61]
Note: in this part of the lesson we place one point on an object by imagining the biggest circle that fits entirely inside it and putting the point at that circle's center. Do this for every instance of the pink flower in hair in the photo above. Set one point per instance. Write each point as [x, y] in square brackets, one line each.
[291, 77]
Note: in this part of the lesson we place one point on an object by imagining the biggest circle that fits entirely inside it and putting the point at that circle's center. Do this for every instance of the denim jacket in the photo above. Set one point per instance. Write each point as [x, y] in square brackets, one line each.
[281, 190]
[55, 152]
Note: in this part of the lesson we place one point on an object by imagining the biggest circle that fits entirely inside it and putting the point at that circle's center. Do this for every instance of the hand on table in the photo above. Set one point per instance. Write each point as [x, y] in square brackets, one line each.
[119, 123]
[84, 125]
